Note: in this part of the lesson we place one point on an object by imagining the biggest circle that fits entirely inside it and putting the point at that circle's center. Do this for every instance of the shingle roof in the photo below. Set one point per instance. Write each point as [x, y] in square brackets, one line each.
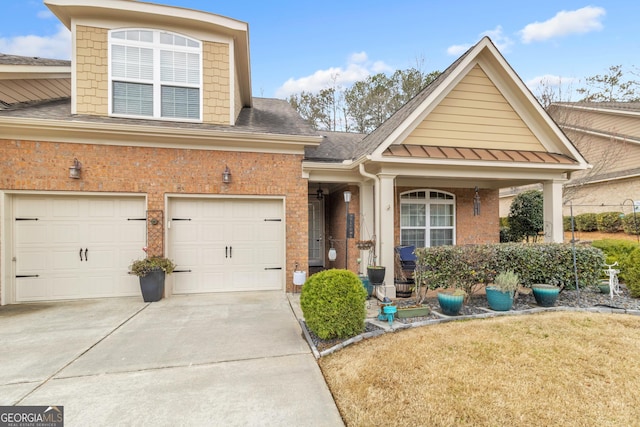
[620, 106]
[31, 60]
[274, 116]
[335, 146]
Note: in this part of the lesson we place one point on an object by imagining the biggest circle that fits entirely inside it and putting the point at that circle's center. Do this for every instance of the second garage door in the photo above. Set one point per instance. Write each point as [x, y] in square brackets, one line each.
[226, 244]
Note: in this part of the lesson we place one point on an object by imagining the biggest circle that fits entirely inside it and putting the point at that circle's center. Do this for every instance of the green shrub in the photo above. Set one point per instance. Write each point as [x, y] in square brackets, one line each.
[617, 251]
[586, 222]
[504, 221]
[460, 267]
[631, 223]
[552, 263]
[609, 222]
[633, 274]
[333, 304]
[566, 223]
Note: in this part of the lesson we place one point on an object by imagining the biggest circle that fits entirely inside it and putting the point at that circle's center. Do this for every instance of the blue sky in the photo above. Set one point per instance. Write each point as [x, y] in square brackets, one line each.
[303, 45]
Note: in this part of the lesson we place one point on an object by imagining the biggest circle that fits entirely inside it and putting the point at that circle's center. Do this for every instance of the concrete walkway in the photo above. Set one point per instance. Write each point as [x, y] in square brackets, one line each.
[216, 359]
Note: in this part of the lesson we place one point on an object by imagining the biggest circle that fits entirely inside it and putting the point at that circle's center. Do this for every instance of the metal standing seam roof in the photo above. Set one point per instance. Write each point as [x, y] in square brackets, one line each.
[457, 153]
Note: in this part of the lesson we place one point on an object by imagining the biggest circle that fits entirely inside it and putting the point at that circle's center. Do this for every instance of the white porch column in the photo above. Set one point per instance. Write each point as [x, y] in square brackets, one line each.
[387, 236]
[552, 211]
[367, 223]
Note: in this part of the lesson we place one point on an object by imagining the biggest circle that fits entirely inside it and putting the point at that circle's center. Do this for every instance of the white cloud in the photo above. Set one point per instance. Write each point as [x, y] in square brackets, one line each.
[564, 23]
[502, 42]
[45, 14]
[357, 68]
[56, 46]
[458, 49]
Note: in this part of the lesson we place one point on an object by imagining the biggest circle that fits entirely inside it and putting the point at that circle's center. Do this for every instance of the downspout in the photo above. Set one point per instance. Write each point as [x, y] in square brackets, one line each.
[376, 205]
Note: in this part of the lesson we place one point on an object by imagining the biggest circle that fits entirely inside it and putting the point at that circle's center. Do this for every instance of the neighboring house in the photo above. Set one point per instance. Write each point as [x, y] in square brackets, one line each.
[160, 109]
[608, 136]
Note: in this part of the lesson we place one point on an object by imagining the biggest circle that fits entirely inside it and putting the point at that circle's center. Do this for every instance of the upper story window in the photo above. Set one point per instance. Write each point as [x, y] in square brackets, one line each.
[427, 218]
[155, 74]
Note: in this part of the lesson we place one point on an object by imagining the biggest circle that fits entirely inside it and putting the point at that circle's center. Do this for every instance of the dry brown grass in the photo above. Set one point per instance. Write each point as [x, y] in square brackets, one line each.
[561, 368]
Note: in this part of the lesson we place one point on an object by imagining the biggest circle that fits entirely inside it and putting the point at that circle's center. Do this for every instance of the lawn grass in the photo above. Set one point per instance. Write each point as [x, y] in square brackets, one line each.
[560, 368]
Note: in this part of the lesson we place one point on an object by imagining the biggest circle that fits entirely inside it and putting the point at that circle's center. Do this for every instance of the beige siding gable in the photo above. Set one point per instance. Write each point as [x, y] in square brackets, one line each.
[475, 114]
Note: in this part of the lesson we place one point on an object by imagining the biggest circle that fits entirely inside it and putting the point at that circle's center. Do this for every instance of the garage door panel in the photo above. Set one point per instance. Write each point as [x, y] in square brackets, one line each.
[102, 233]
[67, 224]
[243, 233]
[102, 209]
[65, 208]
[131, 232]
[65, 233]
[30, 233]
[65, 260]
[230, 242]
[102, 259]
[31, 289]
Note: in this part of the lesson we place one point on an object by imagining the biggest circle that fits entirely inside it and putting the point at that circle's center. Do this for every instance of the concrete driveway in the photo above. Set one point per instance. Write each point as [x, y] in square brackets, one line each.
[216, 359]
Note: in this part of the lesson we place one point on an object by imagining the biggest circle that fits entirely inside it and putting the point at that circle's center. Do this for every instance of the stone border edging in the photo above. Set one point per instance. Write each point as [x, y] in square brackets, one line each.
[445, 319]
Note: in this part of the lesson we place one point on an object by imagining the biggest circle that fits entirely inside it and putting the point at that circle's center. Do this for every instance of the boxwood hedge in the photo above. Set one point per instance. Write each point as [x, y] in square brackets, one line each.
[552, 263]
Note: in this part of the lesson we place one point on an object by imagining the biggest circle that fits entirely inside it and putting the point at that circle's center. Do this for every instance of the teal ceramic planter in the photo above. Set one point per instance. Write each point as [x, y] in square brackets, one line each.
[450, 304]
[498, 300]
[545, 295]
[367, 285]
[603, 285]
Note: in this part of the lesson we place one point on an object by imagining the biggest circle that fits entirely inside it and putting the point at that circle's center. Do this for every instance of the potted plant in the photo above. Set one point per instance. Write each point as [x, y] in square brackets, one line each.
[451, 301]
[500, 294]
[152, 270]
[376, 273]
[546, 295]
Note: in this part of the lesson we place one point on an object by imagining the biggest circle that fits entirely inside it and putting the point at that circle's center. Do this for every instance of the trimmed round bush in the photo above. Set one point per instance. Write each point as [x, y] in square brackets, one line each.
[631, 223]
[632, 275]
[609, 222]
[586, 222]
[333, 304]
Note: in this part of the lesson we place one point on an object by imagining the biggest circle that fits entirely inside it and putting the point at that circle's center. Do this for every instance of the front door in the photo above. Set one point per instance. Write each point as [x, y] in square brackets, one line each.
[316, 232]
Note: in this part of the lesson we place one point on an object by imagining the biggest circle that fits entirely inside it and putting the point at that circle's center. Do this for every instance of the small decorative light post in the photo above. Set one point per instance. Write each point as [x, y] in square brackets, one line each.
[347, 199]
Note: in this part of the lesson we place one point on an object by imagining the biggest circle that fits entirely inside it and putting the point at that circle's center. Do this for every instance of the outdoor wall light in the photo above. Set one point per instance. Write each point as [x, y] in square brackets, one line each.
[476, 203]
[319, 192]
[74, 170]
[226, 175]
[332, 254]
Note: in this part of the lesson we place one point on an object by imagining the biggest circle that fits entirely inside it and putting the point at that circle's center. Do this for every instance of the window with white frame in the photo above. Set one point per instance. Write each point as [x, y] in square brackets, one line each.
[155, 74]
[427, 218]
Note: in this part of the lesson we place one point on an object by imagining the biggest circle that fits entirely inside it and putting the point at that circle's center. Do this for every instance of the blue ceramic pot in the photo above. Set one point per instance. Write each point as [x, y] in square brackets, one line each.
[498, 300]
[545, 295]
[450, 304]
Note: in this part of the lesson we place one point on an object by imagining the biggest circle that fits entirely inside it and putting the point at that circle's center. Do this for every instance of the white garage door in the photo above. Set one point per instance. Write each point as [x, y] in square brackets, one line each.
[76, 247]
[226, 244]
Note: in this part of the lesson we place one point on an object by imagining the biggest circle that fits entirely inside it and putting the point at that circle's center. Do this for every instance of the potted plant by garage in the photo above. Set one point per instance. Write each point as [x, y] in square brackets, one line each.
[500, 294]
[151, 271]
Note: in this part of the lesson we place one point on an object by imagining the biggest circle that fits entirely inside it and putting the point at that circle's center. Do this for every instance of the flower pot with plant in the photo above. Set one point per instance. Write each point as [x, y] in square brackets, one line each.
[151, 271]
[451, 301]
[500, 294]
[546, 295]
